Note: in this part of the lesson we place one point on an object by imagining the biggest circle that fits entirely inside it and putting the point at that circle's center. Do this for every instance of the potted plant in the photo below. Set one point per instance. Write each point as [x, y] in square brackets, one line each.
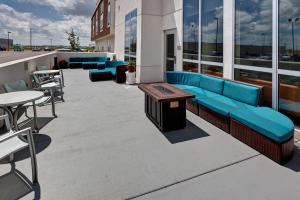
[130, 74]
[114, 57]
[63, 64]
[131, 66]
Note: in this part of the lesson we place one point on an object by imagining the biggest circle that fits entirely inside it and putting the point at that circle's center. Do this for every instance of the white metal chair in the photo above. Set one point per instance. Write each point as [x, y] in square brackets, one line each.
[11, 142]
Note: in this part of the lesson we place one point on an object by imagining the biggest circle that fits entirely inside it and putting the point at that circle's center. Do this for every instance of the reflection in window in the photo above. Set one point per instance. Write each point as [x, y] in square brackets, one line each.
[212, 70]
[257, 78]
[108, 14]
[253, 33]
[289, 102]
[190, 29]
[289, 34]
[190, 67]
[131, 35]
[101, 15]
[212, 30]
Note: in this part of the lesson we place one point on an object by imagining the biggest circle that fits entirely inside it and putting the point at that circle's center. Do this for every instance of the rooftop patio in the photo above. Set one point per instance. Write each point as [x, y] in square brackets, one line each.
[102, 146]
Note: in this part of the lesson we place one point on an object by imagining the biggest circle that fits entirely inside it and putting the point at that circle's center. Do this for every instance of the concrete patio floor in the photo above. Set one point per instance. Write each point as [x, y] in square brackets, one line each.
[102, 146]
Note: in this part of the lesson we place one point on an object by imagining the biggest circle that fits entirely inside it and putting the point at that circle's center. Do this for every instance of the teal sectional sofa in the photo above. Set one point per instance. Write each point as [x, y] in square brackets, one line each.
[235, 108]
[87, 63]
[113, 70]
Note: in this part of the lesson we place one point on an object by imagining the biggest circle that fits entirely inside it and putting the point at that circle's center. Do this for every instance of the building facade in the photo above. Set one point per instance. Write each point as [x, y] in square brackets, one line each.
[102, 25]
[256, 42]
[4, 43]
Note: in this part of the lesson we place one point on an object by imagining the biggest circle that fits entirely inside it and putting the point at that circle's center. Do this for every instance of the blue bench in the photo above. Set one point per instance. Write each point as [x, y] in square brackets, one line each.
[113, 70]
[87, 63]
[234, 107]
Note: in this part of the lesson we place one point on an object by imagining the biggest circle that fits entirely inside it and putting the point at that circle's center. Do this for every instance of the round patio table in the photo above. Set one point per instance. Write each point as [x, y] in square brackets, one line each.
[8, 101]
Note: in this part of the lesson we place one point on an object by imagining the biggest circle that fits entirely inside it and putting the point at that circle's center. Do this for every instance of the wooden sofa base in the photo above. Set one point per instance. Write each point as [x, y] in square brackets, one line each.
[101, 77]
[192, 106]
[280, 153]
[214, 118]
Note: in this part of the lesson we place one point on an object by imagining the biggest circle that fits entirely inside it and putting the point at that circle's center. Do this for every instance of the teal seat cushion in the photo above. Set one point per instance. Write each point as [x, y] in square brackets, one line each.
[15, 86]
[183, 78]
[267, 122]
[89, 63]
[113, 71]
[201, 93]
[241, 92]
[222, 105]
[212, 84]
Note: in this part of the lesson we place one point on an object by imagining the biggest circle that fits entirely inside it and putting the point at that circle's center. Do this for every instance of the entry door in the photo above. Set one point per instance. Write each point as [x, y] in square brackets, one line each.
[170, 50]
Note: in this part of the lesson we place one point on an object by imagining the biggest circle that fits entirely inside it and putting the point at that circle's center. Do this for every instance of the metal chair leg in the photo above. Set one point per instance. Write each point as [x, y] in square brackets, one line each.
[33, 157]
[35, 126]
[53, 103]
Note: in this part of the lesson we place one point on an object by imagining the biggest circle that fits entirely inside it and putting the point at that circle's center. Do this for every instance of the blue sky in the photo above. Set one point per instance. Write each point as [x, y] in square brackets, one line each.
[49, 19]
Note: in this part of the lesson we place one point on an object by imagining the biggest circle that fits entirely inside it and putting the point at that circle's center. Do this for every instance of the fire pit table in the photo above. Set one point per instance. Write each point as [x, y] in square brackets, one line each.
[165, 105]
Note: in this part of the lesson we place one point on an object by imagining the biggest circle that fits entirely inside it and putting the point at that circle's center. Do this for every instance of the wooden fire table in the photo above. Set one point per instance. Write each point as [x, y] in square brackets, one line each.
[165, 105]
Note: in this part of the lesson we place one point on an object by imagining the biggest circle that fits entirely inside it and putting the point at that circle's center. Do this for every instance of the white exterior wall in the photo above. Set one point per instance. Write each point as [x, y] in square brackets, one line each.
[154, 17]
[173, 19]
[106, 44]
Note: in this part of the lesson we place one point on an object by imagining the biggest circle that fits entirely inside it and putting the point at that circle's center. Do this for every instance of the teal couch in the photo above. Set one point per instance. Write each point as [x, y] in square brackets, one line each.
[87, 63]
[234, 107]
[113, 70]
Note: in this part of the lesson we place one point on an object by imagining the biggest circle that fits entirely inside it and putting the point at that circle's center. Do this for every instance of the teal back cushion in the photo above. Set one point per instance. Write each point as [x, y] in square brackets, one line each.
[114, 64]
[212, 84]
[183, 78]
[241, 92]
[15, 86]
[102, 59]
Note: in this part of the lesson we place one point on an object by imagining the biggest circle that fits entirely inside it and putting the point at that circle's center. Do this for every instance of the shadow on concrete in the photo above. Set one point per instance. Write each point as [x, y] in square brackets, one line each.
[41, 143]
[41, 122]
[15, 185]
[191, 132]
[294, 163]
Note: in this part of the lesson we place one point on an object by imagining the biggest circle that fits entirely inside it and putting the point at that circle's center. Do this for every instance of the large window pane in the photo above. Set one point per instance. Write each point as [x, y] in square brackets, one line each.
[289, 34]
[253, 33]
[190, 67]
[190, 29]
[130, 35]
[212, 30]
[257, 78]
[289, 102]
[212, 70]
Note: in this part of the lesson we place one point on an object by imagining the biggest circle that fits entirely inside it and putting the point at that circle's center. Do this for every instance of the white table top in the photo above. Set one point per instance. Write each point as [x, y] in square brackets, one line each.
[46, 72]
[19, 98]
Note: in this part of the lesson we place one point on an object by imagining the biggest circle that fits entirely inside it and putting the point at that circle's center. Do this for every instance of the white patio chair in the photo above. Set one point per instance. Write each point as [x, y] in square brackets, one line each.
[12, 142]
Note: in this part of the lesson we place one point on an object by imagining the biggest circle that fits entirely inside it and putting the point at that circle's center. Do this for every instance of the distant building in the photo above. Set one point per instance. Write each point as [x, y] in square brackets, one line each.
[3, 44]
[102, 25]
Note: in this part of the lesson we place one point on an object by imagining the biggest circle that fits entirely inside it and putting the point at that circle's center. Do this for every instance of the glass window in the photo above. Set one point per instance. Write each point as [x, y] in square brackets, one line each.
[131, 35]
[212, 70]
[257, 78]
[212, 30]
[289, 102]
[289, 34]
[108, 14]
[190, 29]
[190, 67]
[101, 15]
[253, 33]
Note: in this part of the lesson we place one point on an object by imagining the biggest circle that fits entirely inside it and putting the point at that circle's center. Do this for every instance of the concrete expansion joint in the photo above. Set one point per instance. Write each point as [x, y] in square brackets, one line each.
[192, 177]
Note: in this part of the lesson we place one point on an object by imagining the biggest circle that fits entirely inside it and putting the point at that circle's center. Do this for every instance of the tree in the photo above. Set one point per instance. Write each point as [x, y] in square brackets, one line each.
[74, 40]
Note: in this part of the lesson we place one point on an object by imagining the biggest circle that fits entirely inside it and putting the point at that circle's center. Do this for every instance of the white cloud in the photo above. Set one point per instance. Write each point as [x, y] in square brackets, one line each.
[43, 29]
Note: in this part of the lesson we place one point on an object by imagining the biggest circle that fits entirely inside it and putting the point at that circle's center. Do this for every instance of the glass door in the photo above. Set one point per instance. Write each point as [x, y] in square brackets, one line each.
[170, 50]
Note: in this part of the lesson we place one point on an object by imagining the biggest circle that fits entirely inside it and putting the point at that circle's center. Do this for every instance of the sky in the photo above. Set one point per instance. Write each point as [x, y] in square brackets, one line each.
[48, 19]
